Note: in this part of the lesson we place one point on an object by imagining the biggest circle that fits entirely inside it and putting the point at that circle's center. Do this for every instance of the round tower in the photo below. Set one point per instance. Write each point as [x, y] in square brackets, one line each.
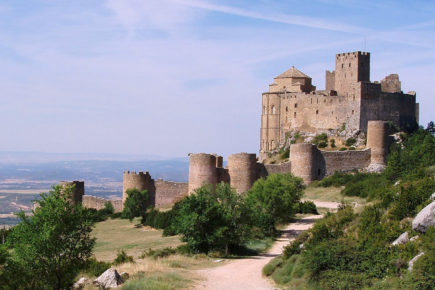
[202, 170]
[78, 192]
[303, 161]
[377, 134]
[242, 168]
[141, 181]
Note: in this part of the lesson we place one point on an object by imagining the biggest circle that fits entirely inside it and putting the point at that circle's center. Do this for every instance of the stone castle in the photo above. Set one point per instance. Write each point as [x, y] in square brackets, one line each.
[294, 105]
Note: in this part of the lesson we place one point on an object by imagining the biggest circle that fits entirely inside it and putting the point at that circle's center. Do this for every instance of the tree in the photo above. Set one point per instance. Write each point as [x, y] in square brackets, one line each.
[136, 204]
[210, 220]
[53, 245]
[272, 200]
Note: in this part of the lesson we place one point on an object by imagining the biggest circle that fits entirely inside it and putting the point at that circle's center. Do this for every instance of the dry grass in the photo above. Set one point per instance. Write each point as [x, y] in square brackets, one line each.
[114, 235]
[330, 194]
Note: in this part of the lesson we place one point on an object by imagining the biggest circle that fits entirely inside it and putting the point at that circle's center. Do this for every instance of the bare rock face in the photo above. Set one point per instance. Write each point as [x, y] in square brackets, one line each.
[432, 197]
[413, 260]
[425, 218]
[402, 239]
[109, 279]
[375, 168]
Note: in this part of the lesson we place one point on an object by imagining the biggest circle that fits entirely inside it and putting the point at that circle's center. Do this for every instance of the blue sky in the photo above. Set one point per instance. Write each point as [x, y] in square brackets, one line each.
[170, 77]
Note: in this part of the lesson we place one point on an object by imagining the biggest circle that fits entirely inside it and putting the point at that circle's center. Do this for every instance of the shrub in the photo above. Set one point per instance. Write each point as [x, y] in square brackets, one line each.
[96, 268]
[272, 200]
[350, 141]
[307, 207]
[343, 149]
[285, 154]
[160, 253]
[320, 138]
[352, 148]
[337, 179]
[332, 142]
[135, 205]
[122, 258]
[322, 144]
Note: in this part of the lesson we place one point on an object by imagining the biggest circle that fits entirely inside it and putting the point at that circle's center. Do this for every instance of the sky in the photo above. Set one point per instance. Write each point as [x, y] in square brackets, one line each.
[171, 77]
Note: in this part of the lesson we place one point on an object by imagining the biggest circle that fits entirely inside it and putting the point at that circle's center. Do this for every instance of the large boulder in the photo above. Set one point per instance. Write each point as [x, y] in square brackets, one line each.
[402, 239]
[425, 218]
[109, 279]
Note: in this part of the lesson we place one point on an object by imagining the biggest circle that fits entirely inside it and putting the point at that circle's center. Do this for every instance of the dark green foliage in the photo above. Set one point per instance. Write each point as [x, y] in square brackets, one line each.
[135, 205]
[364, 185]
[418, 152]
[350, 141]
[322, 144]
[212, 221]
[307, 207]
[122, 258]
[321, 138]
[285, 154]
[96, 268]
[158, 219]
[343, 149]
[295, 246]
[108, 208]
[4, 232]
[423, 274]
[332, 142]
[53, 245]
[410, 196]
[352, 148]
[272, 200]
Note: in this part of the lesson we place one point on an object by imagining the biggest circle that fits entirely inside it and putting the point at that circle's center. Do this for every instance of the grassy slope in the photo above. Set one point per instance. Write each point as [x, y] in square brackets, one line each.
[116, 234]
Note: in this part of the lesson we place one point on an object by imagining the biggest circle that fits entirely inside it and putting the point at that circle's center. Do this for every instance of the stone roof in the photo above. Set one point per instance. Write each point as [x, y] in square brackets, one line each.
[292, 73]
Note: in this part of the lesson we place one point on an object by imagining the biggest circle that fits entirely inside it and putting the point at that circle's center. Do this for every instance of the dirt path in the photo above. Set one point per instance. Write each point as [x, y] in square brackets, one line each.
[247, 273]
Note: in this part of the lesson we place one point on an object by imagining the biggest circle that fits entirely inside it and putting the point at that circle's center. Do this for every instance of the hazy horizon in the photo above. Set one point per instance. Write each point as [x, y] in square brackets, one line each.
[169, 77]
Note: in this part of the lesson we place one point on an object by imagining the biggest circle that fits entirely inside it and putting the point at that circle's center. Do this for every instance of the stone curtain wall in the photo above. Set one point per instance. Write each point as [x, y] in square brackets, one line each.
[97, 203]
[345, 160]
[167, 192]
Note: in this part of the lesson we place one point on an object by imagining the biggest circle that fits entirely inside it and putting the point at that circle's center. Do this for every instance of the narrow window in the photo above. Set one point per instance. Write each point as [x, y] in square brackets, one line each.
[311, 100]
[354, 98]
[342, 65]
[353, 112]
[294, 114]
[273, 110]
[264, 110]
[349, 64]
[317, 112]
[296, 105]
[286, 109]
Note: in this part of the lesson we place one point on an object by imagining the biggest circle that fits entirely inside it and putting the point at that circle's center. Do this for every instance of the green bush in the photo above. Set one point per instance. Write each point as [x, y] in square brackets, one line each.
[122, 258]
[307, 207]
[285, 154]
[320, 138]
[343, 149]
[350, 141]
[332, 142]
[322, 144]
[272, 200]
[96, 268]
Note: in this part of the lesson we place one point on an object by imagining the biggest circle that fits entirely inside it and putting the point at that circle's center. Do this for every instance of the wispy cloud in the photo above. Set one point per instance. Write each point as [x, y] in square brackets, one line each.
[276, 17]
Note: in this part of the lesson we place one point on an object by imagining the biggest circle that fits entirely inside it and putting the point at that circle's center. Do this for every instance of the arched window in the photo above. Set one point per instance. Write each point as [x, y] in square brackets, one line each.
[273, 110]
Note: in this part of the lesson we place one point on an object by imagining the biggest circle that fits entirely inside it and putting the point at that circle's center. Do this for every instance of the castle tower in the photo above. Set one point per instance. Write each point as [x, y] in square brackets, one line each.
[141, 181]
[202, 171]
[270, 122]
[242, 168]
[78, 192]
[350, 68]
[377, 134]
[303, 161]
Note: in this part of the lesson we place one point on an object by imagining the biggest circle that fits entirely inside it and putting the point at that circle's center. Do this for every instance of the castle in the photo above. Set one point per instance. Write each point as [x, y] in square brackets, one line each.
[293, 105]
[349, 99]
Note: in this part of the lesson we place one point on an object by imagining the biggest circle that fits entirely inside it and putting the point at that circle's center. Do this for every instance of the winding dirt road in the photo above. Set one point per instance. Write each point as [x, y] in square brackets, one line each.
[246, 273]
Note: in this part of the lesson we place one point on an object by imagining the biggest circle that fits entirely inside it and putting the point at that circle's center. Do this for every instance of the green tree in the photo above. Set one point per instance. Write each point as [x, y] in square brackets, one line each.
[53, 245]
[272, 200]
[210, 220]
[136, 204]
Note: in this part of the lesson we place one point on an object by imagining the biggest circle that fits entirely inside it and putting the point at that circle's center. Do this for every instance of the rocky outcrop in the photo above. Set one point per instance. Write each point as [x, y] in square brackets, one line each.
[424, 219]
[109, 279]
[413, 260]
[402, 239]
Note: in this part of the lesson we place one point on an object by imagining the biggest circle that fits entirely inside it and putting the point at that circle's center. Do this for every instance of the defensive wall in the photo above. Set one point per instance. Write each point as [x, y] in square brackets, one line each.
[95, 202]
